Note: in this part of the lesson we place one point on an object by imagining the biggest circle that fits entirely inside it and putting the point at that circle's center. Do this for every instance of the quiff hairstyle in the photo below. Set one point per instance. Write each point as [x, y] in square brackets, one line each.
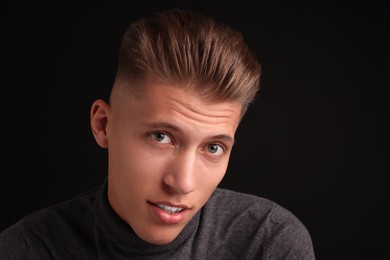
[187, 49]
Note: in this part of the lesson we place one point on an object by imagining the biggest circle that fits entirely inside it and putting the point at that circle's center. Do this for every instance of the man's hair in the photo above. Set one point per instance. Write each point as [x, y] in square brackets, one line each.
[189, 50]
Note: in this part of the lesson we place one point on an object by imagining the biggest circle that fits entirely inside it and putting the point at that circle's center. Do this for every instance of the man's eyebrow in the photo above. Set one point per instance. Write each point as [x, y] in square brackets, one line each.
[165, 125]
[226, 138]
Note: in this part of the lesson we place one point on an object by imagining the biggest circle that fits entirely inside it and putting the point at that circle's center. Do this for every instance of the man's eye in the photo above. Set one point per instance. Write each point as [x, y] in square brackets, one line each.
[215, 149]
[161, 138]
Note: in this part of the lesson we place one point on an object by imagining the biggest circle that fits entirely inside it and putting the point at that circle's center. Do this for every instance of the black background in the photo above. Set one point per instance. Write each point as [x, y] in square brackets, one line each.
[315, 141]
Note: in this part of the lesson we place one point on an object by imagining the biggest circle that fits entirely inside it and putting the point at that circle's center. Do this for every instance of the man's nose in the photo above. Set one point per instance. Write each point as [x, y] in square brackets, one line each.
[180, 177]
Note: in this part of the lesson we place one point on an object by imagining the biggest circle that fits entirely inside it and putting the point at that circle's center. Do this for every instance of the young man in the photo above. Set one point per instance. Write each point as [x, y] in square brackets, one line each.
[183, 84]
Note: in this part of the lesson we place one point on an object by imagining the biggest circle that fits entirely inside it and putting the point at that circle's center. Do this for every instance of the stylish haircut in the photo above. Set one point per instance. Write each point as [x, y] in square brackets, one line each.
[193, 51]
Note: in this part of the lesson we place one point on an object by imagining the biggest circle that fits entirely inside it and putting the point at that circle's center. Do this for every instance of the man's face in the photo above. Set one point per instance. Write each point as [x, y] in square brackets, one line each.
[168, 150]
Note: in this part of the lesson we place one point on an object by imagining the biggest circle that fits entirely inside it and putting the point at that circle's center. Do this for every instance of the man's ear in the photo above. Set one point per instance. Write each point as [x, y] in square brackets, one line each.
[100, 111]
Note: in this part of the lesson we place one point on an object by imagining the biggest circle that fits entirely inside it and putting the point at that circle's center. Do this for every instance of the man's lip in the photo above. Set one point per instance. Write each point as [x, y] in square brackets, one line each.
[169, 216]
[170, 204]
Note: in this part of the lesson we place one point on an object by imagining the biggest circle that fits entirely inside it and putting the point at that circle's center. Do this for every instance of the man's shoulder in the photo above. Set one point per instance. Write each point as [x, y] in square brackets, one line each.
[234, 195]
[71, 208]
[263, 226]
[235, 203]
[52, 223]
[231, 200]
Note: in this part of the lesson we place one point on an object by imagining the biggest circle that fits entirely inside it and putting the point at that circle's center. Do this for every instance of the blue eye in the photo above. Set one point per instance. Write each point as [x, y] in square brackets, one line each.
[215, 149]
[161, 138]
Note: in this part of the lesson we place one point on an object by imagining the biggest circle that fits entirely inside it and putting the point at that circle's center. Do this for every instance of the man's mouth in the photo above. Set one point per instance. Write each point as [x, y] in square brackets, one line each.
[169, 209]
[169, 213]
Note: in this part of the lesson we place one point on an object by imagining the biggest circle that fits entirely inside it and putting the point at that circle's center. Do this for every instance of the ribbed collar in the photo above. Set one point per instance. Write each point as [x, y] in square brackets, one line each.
[121, 236]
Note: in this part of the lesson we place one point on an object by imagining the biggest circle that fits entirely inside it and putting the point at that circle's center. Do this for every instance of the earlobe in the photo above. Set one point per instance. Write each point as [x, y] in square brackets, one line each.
[99, 119]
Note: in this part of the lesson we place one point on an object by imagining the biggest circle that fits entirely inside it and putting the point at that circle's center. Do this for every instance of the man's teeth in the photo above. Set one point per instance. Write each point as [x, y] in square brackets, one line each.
[169, 209]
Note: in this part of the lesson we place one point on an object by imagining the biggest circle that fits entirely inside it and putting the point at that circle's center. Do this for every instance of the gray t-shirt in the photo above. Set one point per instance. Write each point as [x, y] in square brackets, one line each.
[231, 225]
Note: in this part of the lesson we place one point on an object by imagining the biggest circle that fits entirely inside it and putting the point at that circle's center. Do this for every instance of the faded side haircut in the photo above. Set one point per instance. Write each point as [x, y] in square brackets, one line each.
[187, 49]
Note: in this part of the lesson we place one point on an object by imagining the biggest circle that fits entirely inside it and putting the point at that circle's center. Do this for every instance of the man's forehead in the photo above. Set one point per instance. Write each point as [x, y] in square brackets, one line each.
[159, 99]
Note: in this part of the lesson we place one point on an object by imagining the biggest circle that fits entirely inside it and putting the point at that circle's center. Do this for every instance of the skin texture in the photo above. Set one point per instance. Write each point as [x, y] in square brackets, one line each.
[165, 146]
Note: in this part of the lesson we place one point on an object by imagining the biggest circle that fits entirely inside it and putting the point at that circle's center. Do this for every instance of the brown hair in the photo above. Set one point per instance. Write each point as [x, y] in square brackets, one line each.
[184, 48]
